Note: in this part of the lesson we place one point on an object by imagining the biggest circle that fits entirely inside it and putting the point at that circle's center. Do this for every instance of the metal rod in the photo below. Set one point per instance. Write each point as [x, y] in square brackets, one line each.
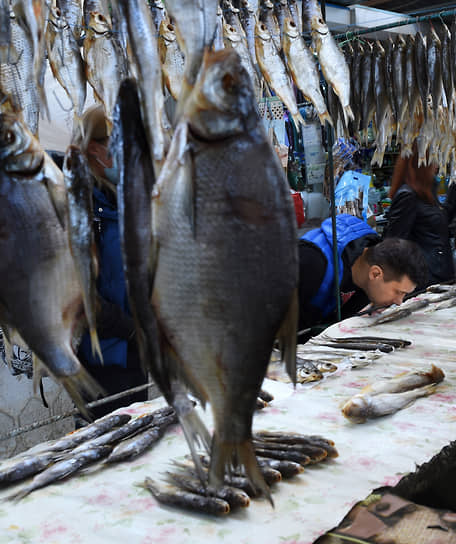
[351, 34]
[27, 428]
[332, 197]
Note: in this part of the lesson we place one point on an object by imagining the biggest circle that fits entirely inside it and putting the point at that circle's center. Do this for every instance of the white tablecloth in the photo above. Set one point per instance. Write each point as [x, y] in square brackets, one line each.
[106, 506]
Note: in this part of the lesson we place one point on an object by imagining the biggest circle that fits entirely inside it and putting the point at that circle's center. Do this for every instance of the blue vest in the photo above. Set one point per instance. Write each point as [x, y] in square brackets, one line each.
[111, 280]
[348, 228]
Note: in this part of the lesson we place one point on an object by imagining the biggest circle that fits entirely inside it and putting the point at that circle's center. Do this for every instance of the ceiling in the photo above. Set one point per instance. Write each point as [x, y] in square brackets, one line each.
[411, 7]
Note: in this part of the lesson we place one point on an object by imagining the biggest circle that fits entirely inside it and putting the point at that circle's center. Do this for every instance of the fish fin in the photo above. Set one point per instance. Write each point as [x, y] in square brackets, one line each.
[222, 456]
[195, 433]
[39, 372]
[287, 336]
[78, 384]
[436, 374]
[95, 343]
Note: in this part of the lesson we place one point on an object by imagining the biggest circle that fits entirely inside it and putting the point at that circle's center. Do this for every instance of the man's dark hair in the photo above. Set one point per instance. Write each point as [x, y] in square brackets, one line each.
[398, 257]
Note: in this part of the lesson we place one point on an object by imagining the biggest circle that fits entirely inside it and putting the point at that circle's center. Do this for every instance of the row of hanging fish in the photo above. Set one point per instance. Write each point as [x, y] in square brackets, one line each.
[95, 45]
[207, 229]
[405, 87]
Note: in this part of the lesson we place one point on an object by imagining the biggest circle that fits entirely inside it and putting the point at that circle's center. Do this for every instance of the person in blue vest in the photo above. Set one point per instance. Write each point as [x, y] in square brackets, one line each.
[121, 369]
[370, 271]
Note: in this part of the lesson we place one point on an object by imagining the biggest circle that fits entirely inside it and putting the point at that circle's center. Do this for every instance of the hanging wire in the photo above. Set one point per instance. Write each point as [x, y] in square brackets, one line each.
[353, 34]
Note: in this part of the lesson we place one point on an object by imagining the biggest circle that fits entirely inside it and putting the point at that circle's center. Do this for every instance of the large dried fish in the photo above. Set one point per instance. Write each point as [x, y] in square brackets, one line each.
[223, 128]
[405, 382]
[434, 67]
[72, 13]
[44, 302]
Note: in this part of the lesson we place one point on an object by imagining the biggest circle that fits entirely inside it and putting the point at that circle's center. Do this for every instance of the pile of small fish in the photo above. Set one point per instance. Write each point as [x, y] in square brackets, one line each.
[391, 395]
[206, 221]
[111, 439]
[280, 456]
[406, 88]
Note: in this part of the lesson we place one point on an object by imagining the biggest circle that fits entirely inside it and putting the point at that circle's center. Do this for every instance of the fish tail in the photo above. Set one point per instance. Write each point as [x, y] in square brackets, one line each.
[436, 374]
[298, 119]
[326, 117]
[222, 456]
[348, 115]
[80, 384]
[287, 337]
[16, 497]
[195, 434]
[95, 343]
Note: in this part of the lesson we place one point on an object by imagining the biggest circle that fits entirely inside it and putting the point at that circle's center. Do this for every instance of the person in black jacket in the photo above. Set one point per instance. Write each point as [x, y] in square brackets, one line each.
[416, 214]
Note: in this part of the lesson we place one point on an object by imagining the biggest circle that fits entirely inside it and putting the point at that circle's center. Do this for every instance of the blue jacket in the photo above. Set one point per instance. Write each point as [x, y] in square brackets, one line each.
[111, 280]
[348, 228]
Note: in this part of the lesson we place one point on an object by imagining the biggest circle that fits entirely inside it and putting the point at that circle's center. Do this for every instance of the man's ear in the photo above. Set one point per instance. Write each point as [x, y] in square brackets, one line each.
[375, 272]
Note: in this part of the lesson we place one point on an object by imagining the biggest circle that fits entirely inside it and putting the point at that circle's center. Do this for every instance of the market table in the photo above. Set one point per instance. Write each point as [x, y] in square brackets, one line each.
[106, 505]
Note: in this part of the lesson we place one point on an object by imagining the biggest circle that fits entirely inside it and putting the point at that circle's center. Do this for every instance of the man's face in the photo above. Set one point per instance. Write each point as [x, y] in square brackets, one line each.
[385, 293]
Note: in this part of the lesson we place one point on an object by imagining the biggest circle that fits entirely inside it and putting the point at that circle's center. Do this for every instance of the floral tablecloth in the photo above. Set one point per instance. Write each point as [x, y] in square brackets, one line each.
[106, 505]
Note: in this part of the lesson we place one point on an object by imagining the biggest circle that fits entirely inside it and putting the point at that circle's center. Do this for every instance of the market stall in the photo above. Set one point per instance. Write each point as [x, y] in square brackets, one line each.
[106, 504]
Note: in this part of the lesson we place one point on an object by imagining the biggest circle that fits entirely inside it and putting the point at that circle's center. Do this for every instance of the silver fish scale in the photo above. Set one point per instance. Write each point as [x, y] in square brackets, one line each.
[228, 293]
[17, 76]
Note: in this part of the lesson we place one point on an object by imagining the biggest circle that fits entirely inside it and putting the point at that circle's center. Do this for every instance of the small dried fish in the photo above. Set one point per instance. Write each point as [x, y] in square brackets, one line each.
[234, 497]
[405, 382]
[133, 447]
[173, 496]
[24, 466]
[395, 342]
[266, 396]
[62, 469]
[307, 371]
[97, 428]
[315, 453]
[362, 407]
[130, 428]
[404, 310]
[281, 455]
[287, 469]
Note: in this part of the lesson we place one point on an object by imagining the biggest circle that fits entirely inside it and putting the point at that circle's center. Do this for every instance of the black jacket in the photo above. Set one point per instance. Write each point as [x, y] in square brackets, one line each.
[426, 224]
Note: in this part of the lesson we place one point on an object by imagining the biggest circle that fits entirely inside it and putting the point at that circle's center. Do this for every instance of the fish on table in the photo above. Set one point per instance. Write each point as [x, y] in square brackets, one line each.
[362, 407]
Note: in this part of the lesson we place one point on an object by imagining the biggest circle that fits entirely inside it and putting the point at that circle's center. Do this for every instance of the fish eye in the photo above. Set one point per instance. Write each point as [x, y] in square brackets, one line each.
[9, 137]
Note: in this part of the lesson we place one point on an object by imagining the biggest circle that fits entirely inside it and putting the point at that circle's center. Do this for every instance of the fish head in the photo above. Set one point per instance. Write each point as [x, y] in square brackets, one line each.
[222, 103]
[15, 138]
[290, 28]
[357, 408]
[98, 23]
[262, 32]
[167, 31]
[231, 34]
[304, 375]
[56, 18]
